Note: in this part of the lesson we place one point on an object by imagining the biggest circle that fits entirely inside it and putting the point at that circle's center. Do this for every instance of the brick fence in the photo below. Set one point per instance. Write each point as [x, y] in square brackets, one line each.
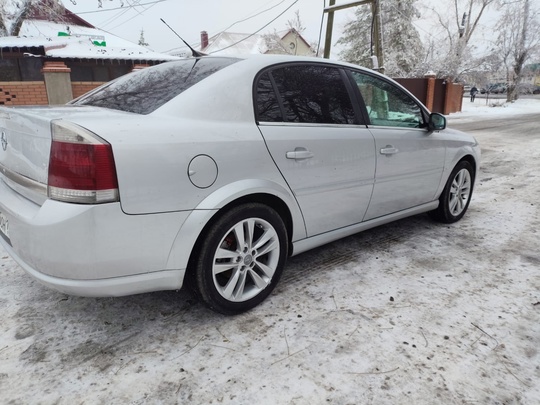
[57, 87]
[437, 94]
[23, 93]
[79, 88]
[35, 93]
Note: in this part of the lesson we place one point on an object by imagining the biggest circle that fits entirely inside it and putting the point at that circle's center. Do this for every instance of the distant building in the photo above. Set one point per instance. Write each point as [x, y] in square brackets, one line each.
[289, 42]
[238, 44]
[63, 43]
[91, 54]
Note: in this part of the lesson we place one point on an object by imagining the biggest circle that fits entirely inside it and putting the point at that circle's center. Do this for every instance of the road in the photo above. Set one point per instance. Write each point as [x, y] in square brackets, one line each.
[411, 312]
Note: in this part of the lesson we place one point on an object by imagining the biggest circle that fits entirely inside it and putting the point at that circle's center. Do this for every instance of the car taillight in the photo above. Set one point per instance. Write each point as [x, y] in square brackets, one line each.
[81, 166]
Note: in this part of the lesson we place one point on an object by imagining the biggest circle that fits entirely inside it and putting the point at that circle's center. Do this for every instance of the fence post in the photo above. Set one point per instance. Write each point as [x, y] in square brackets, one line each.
[453, 97]
[57, 82]
[430, 92]
[447, 96]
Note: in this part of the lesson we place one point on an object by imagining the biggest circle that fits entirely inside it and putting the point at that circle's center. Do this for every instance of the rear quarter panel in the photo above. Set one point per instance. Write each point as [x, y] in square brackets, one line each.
[152, 156]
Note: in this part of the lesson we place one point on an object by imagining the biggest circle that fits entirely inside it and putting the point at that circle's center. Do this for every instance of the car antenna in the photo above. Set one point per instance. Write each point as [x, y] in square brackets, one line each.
[195, 53]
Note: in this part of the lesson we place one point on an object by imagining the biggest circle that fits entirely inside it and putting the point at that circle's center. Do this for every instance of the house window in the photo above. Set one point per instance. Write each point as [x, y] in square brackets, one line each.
[81, 73]
[101, 73]
[9, 70]
[119, 70]
[31, 69]
[92, 72]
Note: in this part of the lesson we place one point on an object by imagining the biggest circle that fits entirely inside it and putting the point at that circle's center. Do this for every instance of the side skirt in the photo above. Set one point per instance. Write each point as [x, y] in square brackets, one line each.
[322, 239]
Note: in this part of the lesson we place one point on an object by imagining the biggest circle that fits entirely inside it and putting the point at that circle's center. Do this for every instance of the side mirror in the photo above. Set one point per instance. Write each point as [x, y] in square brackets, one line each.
[437, 122]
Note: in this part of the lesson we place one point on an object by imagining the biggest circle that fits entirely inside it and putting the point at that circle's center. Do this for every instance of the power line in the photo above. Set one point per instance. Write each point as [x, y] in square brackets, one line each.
[113, 19]
[121, 8]
[136, 4]
[253, 16]
[221, 31]
[412, 22]
[135, 16]
[259, 30]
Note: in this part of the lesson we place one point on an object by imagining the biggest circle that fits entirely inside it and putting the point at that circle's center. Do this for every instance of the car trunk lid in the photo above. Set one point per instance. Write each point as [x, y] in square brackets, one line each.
[26, 139]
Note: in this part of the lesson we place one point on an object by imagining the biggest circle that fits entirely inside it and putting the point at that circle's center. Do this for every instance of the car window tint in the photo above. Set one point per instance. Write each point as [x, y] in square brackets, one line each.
[146, 90]
[313, 94]
[267, 103]
[388, 105]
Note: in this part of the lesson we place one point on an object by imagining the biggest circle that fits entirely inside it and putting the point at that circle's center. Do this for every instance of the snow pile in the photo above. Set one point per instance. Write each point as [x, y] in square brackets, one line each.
[492, 107]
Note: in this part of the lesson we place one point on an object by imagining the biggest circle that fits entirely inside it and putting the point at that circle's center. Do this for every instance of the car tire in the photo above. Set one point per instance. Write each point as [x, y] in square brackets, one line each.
[457, 193]
[241, 258]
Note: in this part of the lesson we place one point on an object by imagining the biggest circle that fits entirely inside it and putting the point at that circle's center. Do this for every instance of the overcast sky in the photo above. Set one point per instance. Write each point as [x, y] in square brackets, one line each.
[189, 17]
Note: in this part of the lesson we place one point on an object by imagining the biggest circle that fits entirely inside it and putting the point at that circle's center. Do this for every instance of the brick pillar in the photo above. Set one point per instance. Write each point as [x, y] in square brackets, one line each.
[430, 92]
[204, 39]
[57, 82]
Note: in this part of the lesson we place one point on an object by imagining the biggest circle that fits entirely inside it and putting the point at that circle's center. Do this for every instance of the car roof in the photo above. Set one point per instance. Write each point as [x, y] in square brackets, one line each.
[227, 95]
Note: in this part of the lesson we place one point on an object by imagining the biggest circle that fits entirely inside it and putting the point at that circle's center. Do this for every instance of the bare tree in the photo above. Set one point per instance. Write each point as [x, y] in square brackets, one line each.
[274, 43]
[14, 12]
[459, 20]
[519, 38]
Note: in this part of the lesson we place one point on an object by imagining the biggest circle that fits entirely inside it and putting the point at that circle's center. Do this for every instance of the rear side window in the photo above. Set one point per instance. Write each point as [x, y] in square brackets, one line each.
[307, 94]
[145, 91]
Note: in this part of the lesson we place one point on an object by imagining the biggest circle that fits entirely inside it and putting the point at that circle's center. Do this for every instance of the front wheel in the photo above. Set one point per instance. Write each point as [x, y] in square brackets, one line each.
[241, 258]
[456, 196]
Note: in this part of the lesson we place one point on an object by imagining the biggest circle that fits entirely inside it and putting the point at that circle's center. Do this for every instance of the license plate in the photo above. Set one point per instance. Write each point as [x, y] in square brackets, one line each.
[4, 227]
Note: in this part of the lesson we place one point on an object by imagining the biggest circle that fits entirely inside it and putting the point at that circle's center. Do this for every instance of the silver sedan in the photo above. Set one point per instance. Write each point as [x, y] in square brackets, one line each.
[211, 171]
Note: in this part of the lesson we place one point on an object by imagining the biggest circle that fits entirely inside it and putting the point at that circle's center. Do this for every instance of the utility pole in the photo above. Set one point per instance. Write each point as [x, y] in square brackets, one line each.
[377, 34]
[377, 28]
[329, 28]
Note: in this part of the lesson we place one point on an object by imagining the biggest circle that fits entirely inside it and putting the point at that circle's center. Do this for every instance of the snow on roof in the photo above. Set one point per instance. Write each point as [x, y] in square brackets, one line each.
[230, 43]
[75, 41]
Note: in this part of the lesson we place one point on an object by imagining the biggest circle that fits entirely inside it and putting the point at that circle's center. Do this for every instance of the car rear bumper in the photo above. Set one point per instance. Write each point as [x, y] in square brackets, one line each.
[109, 287]
[91, 250]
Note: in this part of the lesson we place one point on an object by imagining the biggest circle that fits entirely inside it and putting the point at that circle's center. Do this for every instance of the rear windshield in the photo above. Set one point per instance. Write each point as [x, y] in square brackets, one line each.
[145, 91]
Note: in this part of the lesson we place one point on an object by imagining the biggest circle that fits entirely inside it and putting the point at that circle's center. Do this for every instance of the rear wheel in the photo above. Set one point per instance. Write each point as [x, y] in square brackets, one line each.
[456, 196]
[241, 258]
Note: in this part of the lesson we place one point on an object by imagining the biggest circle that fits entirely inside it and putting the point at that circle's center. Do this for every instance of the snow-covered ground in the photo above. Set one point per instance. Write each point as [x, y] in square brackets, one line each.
[413, 312]
[485, 108]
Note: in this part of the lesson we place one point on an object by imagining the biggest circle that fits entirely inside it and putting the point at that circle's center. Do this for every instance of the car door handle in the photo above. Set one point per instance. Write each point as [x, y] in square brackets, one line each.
[389, 150]
[299, 153]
